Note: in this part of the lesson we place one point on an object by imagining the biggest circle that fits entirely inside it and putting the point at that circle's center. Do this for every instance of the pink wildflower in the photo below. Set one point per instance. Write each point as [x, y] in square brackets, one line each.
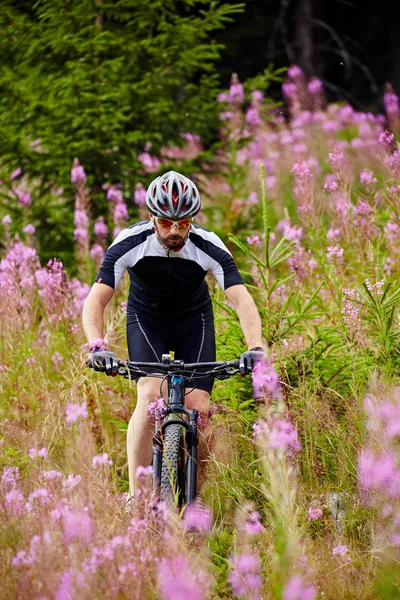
[254, 239]
[367, 177]
[57, 359]
[71, 482]
[253, 524]
[34, 452]
[341, 552]
[24, 198]
[157, 404]
[294, 72]
[6, 220]
[97, 253]
[176, 580]
[139, 195]
[314, 512]
[77, 525]
[101, 460]
[315, 86]
[265, 378]
[245, 576]
[15, 174]
[29, 229]
[9, 478]
[298, 589]
[198, 519]
[100, 228]
[74, 412]
[77, 173]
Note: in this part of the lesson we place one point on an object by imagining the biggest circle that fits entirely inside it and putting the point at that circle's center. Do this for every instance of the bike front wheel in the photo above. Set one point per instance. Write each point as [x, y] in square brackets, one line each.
[173, 466]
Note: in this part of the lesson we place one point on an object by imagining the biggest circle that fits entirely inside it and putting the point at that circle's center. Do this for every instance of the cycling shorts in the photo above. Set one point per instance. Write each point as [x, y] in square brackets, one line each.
[190, 337]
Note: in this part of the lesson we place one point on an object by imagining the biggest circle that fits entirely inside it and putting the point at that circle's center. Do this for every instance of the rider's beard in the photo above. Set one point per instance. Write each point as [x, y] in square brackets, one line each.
[173, 241]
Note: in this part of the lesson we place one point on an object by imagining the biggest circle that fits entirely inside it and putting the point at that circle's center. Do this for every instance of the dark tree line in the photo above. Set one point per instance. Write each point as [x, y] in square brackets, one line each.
[353, 46]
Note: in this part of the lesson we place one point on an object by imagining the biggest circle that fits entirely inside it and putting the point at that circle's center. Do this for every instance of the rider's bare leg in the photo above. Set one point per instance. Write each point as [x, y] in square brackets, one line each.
[141, 429]
[200, 400]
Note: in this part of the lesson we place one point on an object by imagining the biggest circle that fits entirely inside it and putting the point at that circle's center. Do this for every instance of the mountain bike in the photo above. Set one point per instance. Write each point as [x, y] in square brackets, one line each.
[175, 438]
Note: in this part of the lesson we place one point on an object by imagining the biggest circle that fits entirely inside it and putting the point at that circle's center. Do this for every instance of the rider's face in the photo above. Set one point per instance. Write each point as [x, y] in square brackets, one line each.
[173, 237]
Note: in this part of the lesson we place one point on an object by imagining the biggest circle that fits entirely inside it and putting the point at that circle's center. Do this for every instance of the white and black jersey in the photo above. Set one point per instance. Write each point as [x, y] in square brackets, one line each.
[164, 281]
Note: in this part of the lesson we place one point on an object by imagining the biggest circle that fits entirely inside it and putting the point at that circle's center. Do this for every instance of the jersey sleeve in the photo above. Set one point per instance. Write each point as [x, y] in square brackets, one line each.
[120, 255]
[220, 260]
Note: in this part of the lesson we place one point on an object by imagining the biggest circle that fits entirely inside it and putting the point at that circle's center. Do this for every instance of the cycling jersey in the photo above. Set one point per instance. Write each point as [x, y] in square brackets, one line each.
[163, 281]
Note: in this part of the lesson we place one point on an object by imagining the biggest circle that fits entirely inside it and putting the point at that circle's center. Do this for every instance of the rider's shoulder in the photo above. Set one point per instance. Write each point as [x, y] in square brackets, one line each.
[140, 224]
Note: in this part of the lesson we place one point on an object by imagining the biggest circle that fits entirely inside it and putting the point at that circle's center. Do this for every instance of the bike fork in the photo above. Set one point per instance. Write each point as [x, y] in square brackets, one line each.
[191, 473]
[157, 451]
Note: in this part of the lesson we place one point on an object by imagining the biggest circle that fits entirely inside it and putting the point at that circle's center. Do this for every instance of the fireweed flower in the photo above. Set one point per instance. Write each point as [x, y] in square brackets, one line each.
[29, 229]
[24, 198]
[254, 239]
[35, 453]
[139, 196]
[379, 473]
[257, 96]
[236, 92]
[114, 195]
[265, 378]
[77, 525]
[176, 581]
[15, 501]
[15, 174]
[334, 255]
[199, 519]
[350, 309]
[295, 72]
[6, 220]
[280, 436]
[315, 86]
[252, 117]
[71, 482]
[367, 177]
[341, 553]
[9, 478]
[245, 576]
[74, 412]
[314, 511]
[77, 173]
[96, 253]
[101, 460]
[57, 359]
[289, 90]
[100, 228]
[375, 287]
[298, 589]
[156, 404]
[253, 524]
[386, 139]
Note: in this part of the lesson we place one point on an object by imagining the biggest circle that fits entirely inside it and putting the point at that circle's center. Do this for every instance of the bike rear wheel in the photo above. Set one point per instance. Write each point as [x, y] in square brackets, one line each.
[173, 466]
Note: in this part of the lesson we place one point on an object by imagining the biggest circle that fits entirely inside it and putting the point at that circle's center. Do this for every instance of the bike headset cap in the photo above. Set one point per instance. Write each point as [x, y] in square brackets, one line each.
[173, 196]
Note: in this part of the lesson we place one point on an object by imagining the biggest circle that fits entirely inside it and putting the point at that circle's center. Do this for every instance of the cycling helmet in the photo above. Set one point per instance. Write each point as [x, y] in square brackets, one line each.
[173, 196]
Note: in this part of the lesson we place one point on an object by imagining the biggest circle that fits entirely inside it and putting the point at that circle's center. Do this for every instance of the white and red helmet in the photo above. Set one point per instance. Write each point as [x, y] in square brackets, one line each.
[173, 196]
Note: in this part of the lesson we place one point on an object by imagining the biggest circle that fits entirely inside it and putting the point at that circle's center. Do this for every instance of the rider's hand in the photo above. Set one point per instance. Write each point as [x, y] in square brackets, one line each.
[103, 361]
[249, 359]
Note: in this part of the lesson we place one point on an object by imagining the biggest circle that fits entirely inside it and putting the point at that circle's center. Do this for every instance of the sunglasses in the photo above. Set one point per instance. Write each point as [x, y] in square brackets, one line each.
[182, 224]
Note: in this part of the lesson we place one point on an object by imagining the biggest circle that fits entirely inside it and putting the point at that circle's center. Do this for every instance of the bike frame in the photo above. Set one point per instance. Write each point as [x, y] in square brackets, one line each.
[174, 414]
[175, 410]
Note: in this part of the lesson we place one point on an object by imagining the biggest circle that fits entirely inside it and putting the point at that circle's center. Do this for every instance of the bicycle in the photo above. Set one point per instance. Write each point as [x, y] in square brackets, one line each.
[175, 438]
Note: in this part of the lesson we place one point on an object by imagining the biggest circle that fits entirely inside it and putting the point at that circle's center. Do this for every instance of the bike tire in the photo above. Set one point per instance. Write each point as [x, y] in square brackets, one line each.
[173, 466]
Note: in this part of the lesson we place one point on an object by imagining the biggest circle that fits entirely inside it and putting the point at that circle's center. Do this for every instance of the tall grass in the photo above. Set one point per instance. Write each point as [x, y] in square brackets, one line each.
[303, 479]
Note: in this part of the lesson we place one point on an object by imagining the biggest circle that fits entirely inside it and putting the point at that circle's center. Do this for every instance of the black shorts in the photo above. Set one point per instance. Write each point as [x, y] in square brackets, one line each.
[190, 337]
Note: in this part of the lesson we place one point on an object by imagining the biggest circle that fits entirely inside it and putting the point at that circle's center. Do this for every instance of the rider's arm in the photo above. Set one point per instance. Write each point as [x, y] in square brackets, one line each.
[93, 310]
[248, 314]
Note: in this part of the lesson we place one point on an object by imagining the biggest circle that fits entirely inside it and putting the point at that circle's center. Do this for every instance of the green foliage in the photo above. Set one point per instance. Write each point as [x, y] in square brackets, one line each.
[100, 80]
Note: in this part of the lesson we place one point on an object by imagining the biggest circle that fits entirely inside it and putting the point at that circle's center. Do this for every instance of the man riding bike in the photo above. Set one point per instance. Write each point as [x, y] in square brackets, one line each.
[169, 306]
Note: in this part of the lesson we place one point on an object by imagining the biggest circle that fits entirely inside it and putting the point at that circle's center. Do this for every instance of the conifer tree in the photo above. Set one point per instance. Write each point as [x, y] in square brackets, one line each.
[101, 79]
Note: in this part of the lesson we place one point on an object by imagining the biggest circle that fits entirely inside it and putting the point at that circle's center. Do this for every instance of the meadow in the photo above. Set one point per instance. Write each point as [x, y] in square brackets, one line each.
[303, 482]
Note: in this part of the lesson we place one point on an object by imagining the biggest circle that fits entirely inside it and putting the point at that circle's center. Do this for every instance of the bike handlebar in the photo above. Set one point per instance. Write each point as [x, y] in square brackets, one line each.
[229, 367]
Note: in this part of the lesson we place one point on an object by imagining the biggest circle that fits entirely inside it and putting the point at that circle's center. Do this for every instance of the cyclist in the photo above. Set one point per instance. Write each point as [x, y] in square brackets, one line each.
[169, 307]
